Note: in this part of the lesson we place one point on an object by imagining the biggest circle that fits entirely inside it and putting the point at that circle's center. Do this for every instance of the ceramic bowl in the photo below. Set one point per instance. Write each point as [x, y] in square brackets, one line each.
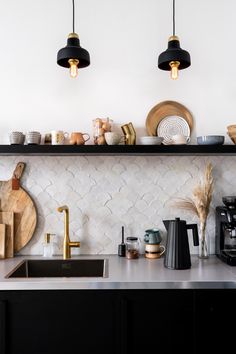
[211, 140]
[150, 140]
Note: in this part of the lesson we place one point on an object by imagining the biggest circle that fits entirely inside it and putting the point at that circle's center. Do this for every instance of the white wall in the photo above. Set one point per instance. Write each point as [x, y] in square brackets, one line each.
[124, 39]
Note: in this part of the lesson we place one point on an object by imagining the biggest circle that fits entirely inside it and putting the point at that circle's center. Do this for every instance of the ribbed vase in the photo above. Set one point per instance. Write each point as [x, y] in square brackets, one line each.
[203, 242]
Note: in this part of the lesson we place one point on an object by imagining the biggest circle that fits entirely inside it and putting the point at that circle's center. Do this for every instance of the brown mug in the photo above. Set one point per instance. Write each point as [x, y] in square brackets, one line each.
[77, 138]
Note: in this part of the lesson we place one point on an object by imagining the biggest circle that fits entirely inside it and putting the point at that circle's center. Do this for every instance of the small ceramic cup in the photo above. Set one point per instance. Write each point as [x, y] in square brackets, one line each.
[113, 138]
[59, 137]
[77, 138]
[180, 139]
[16, 138]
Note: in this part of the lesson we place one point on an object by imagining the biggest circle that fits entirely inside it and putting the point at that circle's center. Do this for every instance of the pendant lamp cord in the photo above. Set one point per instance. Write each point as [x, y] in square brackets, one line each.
[73, 4]
[173, 17]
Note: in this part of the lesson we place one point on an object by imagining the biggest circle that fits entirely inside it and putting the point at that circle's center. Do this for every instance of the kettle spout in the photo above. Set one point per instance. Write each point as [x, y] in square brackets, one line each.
[166, 223]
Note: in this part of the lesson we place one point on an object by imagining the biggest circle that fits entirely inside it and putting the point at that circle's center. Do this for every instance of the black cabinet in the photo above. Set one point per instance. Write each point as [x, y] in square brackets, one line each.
[42, 322]
[215, 316]
[156, 320]
[116, 321]
[2, 327]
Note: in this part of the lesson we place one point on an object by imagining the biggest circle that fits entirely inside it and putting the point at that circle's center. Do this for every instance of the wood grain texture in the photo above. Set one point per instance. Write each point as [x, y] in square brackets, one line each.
[7, 218]
[19, 202]
[2, 241]
[165, 109]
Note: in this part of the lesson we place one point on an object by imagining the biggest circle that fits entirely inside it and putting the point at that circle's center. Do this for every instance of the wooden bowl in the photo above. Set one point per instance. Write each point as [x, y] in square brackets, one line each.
[232, 134]
[232, 137]
[232, 126]
[163, 110]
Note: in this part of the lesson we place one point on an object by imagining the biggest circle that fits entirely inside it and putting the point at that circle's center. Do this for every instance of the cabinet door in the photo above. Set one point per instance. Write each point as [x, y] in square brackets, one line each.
[2, 327]
[46, 322]
[158, 320]
[215, 315]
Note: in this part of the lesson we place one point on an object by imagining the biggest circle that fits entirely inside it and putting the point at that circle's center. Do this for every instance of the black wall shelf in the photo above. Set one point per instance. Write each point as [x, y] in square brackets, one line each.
[119, 150]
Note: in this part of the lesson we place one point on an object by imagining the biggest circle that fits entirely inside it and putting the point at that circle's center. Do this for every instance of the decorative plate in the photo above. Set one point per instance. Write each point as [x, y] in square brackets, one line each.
[172, 125]
[166, 109]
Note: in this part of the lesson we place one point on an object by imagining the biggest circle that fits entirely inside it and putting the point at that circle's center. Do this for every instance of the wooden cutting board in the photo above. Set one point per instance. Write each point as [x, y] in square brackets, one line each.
[2, 240]
[163, 110]
[7, 218]
[15, 199]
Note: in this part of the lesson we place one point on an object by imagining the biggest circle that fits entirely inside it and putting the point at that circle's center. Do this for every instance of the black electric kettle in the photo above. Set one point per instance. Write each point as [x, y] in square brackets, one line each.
[177, 255]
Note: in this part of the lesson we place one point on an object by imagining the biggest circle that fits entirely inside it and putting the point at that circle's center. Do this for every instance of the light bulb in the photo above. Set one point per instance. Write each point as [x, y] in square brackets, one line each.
[73, 67]
[174, 73]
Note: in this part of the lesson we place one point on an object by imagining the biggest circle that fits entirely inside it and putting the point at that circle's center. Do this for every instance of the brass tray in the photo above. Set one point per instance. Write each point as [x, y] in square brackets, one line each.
[165, 109]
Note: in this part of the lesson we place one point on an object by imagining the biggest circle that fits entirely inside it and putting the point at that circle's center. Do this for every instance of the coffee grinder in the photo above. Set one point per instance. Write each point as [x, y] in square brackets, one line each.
[226, 231]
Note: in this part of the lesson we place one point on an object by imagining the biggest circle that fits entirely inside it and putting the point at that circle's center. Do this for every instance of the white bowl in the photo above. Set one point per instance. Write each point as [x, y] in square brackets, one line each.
[150, 140]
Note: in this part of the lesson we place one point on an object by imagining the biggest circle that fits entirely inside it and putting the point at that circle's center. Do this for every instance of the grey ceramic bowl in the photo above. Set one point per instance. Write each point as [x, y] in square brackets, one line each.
[211, 140]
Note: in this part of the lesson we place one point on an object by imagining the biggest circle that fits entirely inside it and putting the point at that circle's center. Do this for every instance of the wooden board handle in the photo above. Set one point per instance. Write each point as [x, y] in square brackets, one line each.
[18, 170]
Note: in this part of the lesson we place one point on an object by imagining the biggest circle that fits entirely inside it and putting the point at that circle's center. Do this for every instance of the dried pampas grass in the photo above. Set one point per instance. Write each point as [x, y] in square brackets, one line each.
[202, 196]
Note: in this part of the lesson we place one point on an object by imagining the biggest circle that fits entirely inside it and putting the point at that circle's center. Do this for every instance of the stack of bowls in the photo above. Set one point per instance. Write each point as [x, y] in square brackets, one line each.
[232, 132]
[211, 140]
[151, 140]
[16, 138]
[33, 138]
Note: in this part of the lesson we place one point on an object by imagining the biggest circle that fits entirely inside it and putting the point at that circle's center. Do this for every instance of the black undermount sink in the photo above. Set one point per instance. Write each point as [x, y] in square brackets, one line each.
[39, 268]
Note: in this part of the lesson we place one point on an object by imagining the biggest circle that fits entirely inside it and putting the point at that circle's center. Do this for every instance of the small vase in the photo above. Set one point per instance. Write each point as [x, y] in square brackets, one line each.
[203, 242]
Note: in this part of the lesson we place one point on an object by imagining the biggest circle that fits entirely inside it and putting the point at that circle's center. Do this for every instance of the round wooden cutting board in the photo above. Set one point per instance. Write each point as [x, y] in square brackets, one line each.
[15, 199]
[165, 109]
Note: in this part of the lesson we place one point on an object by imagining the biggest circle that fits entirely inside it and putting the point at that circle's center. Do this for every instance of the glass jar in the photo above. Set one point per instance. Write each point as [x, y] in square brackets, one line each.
[132, 247]
[100, 127]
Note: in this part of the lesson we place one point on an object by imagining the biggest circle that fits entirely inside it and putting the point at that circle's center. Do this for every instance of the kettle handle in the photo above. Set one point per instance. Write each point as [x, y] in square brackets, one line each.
[194, 228]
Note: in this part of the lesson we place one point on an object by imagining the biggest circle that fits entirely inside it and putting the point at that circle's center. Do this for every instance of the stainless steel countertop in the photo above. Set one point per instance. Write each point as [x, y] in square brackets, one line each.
[130, 274]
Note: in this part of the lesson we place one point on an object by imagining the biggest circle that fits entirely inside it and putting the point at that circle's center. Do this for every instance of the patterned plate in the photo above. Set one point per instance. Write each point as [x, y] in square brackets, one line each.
[170, 126]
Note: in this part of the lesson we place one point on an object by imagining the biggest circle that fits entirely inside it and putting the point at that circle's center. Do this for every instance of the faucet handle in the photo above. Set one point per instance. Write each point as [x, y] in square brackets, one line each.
[62, 208]
[74, 244]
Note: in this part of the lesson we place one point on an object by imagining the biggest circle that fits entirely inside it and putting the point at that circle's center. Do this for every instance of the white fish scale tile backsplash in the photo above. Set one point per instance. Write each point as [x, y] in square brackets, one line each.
[104, 193]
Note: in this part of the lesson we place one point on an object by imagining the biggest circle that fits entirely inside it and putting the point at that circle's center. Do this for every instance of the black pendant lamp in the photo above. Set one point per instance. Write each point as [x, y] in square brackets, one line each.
[73, 56]
[174, 58]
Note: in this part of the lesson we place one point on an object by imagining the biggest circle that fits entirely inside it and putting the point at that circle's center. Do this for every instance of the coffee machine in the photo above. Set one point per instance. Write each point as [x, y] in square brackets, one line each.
[226, 231]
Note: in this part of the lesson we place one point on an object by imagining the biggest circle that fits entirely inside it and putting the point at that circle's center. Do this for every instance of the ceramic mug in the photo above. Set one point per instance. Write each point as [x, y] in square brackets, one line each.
[180, 139]
[154, 251]
[152, 236]
[48, 138]
[113, 138]
[77, 138]
[155, 248]
[58, 137]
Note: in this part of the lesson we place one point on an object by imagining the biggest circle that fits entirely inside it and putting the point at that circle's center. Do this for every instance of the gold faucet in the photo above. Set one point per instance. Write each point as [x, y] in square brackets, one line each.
[67, 244]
